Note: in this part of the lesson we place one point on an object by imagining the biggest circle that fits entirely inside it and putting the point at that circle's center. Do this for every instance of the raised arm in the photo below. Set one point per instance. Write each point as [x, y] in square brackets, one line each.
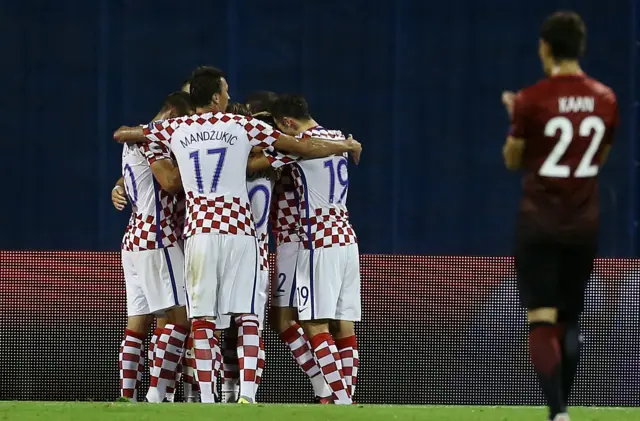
[126, 134]
[313, 147]
[513, 149]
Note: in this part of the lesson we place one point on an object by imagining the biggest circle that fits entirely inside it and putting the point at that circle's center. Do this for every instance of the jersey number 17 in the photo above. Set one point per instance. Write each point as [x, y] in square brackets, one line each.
[551, 167]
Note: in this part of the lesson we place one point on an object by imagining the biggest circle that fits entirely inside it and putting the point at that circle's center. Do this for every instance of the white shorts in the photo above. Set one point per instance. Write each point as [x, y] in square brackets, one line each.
[223, 321]
[328, 283]
[283, 286]
[154, 280]
[221, 274]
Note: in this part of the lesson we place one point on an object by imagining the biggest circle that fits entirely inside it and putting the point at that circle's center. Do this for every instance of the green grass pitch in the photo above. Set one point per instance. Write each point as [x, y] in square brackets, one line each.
[71, 411]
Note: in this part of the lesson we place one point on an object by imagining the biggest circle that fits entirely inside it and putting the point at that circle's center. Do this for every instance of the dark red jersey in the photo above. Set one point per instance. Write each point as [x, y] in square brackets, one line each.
[565, 121]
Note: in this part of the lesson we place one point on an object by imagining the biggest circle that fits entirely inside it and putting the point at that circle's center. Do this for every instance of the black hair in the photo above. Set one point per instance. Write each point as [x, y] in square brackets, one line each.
[180, 102]
[205, 82]
[237, 108]
[291, 105]
[260, 101]
[566, 34]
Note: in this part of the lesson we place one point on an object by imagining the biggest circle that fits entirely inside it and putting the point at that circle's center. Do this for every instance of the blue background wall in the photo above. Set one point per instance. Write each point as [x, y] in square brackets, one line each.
[417, 82]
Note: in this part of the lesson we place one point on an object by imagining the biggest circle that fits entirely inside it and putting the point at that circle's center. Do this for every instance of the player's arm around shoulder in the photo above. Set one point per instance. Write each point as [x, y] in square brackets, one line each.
[312, 147]
[168, 175]
[513, 149]
[165, 171]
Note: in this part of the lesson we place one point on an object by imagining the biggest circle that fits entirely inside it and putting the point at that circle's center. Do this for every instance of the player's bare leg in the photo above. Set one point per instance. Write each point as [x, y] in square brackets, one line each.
[344, 333]
[131, 359]
[230, 370]
[328, 357]
[207, 356]
[546, 355]
[168, 353]
[248, 348]
[284, 321]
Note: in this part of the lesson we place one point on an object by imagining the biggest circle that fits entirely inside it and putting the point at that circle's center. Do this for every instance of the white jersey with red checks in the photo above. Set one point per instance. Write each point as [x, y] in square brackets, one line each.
[151, 225]
[285, 213]
[322, 186]
[179, 212]
[260, 188]
[212, 150]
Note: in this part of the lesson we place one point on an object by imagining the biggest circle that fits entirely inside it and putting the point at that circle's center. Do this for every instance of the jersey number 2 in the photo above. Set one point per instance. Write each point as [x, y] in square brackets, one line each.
[551, 167]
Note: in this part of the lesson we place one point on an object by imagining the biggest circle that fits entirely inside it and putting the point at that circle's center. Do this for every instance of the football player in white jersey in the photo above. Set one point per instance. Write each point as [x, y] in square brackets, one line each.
[327, 270]
[259, 188]
[285, 221]
[152, 260]
[212, 150]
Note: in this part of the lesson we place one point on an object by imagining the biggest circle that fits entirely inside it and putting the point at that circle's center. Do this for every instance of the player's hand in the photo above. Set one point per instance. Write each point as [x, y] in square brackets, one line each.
[355, 149]
[508, 99]
[119, 198]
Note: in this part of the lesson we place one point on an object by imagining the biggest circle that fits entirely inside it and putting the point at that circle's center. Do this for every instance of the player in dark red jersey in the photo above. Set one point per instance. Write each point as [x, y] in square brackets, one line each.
[561, 132]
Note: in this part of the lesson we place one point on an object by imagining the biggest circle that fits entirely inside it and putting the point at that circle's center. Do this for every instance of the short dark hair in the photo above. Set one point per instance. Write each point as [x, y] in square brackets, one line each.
[291, 105]
[180, 102]
[260, 101]
[237, 108]
[566, 34]
[205, 82]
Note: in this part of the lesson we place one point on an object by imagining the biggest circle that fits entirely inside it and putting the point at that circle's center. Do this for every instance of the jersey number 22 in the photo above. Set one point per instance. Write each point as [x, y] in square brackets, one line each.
[551, 166]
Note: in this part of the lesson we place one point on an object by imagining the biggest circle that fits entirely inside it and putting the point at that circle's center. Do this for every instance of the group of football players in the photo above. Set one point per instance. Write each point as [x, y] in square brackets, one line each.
[205, 179]
[562, 129]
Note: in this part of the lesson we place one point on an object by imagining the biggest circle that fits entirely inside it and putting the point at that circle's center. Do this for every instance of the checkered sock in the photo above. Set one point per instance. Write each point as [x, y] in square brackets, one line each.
[248, 350]
[329, 361]
[297, 342]
[207, 358]
[139, 377]
[261, 362]
[350, 358]
[172, 384]
[129, 362]
[169, 350]
[231, 373]
[189, 382]
[151, 354]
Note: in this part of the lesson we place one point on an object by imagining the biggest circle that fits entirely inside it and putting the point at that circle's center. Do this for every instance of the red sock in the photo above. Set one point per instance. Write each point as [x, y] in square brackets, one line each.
[248, 350]
[546, 356]
[169, 350]
[348, 349]
[208, 359]
[129, 362]
[329, 361]
[298, 344]
[261, 362]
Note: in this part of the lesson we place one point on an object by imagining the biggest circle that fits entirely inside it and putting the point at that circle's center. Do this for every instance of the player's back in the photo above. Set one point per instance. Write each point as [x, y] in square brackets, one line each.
[323, 185]
[566, 122]
[151, 225]
[212, 152]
